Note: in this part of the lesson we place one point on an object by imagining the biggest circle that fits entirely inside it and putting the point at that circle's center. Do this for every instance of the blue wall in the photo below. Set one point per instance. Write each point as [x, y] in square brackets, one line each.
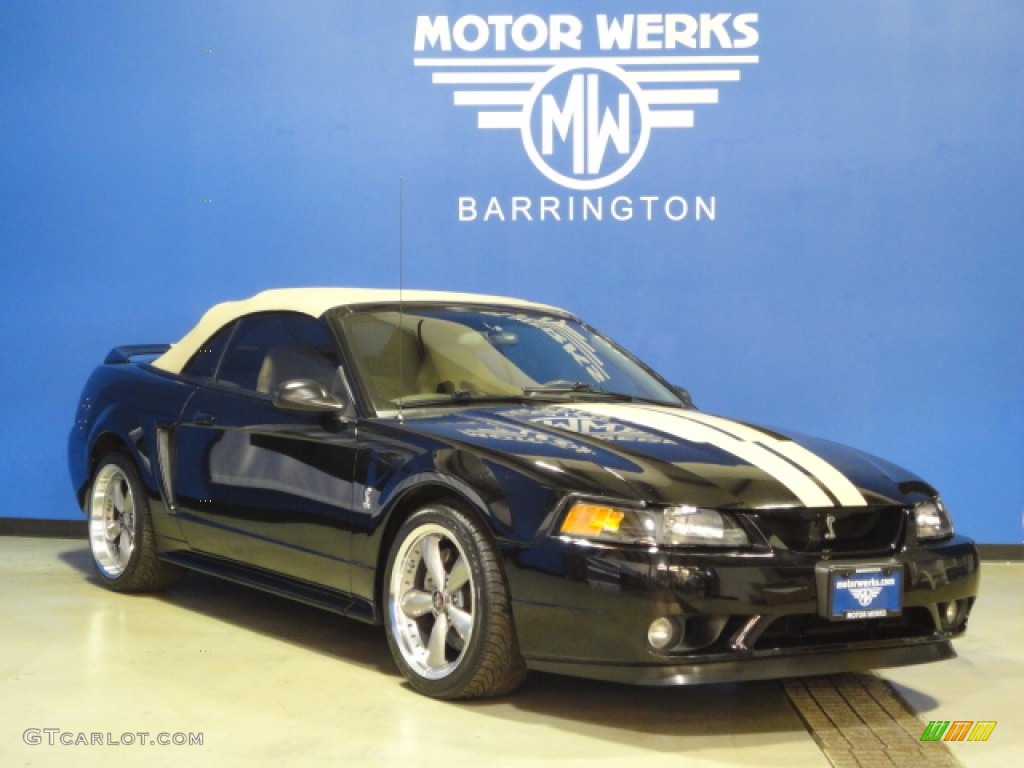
[861, 278]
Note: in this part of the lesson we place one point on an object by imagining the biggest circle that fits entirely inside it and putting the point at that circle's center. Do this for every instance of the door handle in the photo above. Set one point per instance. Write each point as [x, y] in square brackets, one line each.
[202, 419]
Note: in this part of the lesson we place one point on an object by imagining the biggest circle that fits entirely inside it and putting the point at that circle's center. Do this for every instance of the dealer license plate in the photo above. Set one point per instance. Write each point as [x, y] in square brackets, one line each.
[865, 593]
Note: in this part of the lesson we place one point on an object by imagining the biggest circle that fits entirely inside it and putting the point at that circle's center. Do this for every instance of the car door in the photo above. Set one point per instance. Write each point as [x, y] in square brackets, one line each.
[257, 484]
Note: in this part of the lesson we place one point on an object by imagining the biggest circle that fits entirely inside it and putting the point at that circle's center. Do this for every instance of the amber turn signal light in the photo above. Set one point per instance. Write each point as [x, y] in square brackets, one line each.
[591, 520]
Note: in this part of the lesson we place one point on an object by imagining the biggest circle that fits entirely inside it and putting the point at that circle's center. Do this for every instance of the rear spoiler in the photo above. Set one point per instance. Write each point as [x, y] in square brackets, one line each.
[126, 353]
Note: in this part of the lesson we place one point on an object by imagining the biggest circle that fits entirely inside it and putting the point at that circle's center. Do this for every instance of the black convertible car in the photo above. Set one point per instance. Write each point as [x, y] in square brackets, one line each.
[504, 489]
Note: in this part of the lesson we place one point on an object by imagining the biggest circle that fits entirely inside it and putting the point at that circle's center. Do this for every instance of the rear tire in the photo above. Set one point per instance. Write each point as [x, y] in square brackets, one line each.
[448, 615]
[121, 536]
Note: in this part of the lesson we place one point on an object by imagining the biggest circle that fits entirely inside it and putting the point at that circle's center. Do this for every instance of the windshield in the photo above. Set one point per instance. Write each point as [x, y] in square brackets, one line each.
[431, 355]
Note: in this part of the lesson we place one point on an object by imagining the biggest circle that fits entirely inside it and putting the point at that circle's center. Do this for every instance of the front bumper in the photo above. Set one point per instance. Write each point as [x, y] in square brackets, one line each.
[583, 610]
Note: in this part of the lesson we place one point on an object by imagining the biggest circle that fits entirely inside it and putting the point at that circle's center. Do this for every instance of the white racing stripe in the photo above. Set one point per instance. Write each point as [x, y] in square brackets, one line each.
[835, 481]
[792, 465]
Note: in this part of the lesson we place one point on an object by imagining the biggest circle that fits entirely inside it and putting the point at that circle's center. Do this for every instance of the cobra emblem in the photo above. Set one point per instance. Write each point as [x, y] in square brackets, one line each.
[830, 522]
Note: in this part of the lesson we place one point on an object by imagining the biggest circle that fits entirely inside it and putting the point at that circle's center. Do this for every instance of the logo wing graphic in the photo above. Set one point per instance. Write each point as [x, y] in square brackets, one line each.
[566, 101]
[866, 595]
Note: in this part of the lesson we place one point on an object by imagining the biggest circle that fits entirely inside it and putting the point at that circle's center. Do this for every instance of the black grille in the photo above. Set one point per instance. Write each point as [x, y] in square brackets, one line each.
[810, 630]
[835, 529]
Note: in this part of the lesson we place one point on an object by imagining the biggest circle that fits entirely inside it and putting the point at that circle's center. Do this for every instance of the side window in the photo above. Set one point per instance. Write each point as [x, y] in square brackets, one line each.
[203, 364]
[268, 350]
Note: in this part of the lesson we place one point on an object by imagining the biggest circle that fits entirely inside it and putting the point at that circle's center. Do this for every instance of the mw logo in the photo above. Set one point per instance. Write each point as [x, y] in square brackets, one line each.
[585, 128]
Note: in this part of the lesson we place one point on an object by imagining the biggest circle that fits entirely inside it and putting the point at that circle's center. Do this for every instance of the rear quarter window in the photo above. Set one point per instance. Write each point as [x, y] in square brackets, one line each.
[203, 364]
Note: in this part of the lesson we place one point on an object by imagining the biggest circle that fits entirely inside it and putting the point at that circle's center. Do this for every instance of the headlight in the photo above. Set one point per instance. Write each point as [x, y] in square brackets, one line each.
[671, 527]
[933, 521]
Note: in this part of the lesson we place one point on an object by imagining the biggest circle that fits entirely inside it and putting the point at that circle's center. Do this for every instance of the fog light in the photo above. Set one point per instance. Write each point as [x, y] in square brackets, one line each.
[662, 633]
[952, 613]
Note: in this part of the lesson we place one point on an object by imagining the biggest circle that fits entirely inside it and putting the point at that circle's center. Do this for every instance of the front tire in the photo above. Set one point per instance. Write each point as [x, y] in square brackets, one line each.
[121, 536]
[449, 620]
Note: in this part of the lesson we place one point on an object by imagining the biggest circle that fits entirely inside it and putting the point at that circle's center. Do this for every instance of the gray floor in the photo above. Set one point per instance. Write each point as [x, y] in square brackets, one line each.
[264, 680]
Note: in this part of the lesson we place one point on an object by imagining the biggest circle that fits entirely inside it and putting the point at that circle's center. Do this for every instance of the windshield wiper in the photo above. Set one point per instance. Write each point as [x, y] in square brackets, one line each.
[459, 396]
[568, 389]
[577, 388]
[555, 392]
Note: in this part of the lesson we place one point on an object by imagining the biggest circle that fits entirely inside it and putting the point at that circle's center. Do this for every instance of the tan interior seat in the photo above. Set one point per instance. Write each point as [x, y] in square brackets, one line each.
[428, 356]
[463, 357]
[391, 359]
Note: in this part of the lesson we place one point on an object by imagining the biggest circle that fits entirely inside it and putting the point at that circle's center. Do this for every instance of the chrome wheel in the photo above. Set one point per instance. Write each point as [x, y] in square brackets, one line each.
[113, 527]
[431, 601]
[121, 536]
[448, 615]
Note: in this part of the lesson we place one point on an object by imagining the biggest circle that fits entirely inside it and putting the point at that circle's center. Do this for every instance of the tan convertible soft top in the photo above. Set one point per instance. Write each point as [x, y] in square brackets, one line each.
[313, 302]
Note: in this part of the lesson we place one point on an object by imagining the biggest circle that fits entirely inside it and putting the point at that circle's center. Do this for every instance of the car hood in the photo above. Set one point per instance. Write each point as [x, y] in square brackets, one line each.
[670, 455]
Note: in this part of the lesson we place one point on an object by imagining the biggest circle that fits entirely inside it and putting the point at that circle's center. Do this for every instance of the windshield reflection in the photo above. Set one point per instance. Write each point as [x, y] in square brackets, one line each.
[430, 356]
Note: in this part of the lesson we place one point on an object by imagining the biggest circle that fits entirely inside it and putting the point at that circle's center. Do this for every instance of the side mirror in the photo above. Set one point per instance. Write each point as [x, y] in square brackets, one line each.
[306, 395]
[684, 394]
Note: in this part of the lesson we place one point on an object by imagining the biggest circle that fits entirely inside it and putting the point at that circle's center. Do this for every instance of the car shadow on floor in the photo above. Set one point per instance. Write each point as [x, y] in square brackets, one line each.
[270, 615]
[658, 717]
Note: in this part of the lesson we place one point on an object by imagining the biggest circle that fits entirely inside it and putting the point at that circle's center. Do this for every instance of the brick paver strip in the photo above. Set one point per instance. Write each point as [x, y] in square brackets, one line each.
[859, 721]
